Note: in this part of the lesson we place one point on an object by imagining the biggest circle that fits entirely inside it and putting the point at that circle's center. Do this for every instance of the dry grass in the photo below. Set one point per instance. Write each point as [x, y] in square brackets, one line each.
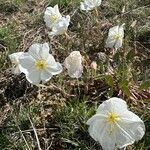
[58, 113]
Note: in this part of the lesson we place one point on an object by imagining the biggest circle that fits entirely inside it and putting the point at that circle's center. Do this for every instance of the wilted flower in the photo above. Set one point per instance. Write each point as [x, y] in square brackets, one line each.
[52, 16]
[114, 126]
[15, 61]
[61, 27]
[102, 57]
[115, 37]
[90, 4]
[73, 63]
[38, 65]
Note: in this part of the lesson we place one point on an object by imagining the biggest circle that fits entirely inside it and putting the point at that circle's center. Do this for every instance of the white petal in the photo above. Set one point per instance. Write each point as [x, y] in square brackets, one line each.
[113, 31]
[93, 131]
[74, 67]
[95, 117]
[133, 125]
[50, 60]
[47, 20]
[34, 50]
[73, 60]
[113, 105]
[84, 6]
[96, 126]
[27, 63]
[118, 43]
[75, 72]
[73, 63]
[121, 30]
[27, 66]
[50, 71]
[15, 57]
[89, 5]
[98, 130]
[53, 66]
[61, 27]
[99, 2]
[39, 51]
[45, 76]
[49, 14]
[15, 60]
[56, 8]
[55, 69]
[33, 76]
[123, 138]
[44, 51]
[107, 141]
[118, 105]
[110, 42]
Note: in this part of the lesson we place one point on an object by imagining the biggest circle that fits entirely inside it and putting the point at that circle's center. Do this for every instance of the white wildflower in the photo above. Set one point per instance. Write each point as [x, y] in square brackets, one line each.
[114, 126]
[52, 16]
[61, 27]
[73, 63]
[115, 37]
[38, 65]
[90, 4]
[15, 61]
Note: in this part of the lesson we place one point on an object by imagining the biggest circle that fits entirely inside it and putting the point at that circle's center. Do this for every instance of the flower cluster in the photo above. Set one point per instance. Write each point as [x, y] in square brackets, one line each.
[113, 125]
[39, 66]
[55, 21]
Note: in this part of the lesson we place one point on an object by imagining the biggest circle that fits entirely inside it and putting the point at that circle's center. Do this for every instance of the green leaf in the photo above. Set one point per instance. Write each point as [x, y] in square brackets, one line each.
[109, 80]
[18, 3]
[145, 85]
[117, 58]
[123, 85]
[130, 55]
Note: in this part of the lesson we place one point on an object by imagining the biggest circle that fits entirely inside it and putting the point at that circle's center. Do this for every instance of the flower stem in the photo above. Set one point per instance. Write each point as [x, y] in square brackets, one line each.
[67, 36]
[96, 12]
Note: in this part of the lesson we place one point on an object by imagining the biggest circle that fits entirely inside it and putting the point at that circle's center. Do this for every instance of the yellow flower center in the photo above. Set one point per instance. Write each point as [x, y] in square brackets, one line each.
[40, 64]
[54, 17]
[116, 36]
[112, 118]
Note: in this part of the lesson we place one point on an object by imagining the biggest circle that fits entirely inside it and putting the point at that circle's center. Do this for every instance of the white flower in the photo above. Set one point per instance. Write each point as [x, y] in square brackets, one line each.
[73, 63]
[52, 16]
[55, 21]
[115, 37]
[90, 4]
[38, 65]
[15, 61]
[61, 27]
[114, 126]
